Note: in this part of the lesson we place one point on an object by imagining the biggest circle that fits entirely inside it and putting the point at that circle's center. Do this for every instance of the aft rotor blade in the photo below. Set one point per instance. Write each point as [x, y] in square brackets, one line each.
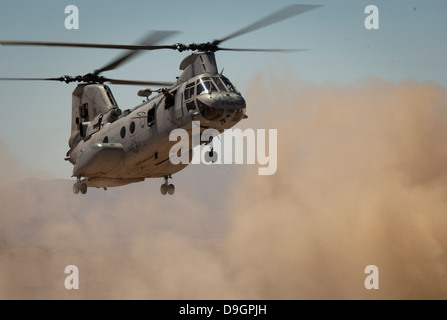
[151, 39]
[86, 45]
[262, 50]
[137, 83]
[33, 79]
[281, 15]
[68, 79]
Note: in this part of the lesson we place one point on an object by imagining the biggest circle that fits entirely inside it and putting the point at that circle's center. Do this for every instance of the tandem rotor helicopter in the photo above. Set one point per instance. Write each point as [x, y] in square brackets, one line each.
[110, 147]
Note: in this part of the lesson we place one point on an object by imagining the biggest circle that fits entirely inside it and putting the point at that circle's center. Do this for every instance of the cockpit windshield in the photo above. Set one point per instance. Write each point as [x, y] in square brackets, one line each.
[220, 84]
[228, 84]
[205, 85]
[208, 85]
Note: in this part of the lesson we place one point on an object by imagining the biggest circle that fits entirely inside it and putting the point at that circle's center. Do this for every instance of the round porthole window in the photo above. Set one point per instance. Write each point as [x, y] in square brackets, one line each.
[123, 132]
[132, 127]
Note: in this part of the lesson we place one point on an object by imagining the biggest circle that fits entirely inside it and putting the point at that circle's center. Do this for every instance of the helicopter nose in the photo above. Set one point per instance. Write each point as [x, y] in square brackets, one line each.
[223, 100]
[222, 107]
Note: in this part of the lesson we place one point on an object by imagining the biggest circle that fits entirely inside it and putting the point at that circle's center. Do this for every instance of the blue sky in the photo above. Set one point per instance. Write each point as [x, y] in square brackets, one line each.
[35, 120]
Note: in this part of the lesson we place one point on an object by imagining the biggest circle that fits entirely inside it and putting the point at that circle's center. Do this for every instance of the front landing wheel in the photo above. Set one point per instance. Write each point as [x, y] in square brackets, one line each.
[164, 189]
[171, 189]
[83, 188]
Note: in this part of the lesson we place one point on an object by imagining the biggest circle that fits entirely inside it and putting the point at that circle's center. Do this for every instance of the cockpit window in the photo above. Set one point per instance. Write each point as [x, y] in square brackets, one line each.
[220, 84]
[205, 85]
[228, 84]
[209, 84]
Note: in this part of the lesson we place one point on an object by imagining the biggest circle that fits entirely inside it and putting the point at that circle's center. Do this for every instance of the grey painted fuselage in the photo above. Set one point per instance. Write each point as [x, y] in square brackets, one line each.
[110, 147]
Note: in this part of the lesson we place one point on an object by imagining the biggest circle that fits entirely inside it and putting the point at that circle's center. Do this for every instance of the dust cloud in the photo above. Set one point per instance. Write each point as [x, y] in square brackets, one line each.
[361, 181]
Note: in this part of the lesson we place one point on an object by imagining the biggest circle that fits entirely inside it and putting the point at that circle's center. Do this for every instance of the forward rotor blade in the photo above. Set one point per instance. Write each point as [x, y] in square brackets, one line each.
[137, 83]
[86, 45]
[263, 50]
[281, 15]
[148, 41]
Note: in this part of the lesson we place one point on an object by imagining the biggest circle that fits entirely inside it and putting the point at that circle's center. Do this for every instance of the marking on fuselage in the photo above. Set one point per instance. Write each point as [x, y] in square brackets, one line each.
[142, 117]
[134, 146]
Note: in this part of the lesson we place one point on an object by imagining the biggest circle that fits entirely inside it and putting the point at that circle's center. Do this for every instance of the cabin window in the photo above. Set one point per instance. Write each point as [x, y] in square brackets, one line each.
[169, 98]
[132, 127]
[105, 140]
[189, 91]
[151, 117]
[123, 132]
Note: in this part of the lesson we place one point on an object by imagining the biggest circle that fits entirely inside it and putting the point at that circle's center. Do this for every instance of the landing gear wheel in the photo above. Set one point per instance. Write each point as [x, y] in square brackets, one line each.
[76, 188]
[164, 189]
[167, 188]
[83, 188]
[211, 157]
[79, 187]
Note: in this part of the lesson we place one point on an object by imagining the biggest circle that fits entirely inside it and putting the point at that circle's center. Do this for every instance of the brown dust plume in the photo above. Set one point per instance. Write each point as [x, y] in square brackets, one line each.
[361, 181]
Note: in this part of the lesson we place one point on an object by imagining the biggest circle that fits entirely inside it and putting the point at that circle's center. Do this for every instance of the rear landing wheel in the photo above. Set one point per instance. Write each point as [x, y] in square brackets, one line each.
[79, 187]
[167, 188]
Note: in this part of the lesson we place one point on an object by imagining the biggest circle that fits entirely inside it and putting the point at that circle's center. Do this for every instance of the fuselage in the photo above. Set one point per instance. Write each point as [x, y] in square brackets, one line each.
[142, 133]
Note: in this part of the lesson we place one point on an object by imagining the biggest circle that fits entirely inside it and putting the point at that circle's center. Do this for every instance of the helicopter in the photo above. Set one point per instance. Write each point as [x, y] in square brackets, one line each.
[110, 147]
